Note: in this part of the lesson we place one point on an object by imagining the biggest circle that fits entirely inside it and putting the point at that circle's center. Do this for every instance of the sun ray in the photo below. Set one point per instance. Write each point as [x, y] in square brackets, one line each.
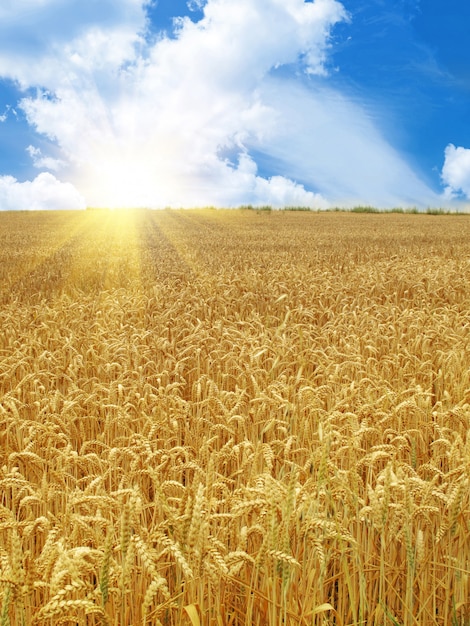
[50, 241]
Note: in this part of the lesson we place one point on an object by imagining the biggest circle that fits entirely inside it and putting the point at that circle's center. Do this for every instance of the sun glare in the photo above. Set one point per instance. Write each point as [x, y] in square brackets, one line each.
[121, 183]
[128, 178]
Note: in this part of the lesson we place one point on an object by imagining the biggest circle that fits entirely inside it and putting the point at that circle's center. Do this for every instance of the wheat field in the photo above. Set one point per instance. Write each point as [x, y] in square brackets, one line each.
[230, 418]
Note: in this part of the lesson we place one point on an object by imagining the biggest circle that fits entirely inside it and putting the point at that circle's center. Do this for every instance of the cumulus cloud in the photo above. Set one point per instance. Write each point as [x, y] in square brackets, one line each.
[456, 171]
[43, 193]
[181, 121]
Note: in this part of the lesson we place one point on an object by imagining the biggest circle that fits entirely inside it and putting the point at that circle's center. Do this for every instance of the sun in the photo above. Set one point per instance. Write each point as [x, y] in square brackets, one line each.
[121, 177]
[121, 183]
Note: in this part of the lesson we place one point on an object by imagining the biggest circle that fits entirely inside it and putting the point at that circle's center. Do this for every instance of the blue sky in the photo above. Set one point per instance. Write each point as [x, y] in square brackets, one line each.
[214, 102]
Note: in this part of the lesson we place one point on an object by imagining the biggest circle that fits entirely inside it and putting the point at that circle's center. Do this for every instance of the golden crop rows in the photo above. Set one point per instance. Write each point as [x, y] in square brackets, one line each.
[234, 418]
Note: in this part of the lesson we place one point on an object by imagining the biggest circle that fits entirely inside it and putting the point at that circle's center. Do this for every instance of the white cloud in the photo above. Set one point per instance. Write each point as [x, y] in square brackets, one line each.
[330, 141]
[152, 134]
[195, 5]
[456, 171]
[4, 115]
[43, 162]
[148, 124]
[45, 192]
[51, 42]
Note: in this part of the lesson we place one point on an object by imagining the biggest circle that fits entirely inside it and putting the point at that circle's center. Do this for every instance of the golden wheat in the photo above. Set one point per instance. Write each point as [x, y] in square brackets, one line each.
[234, 418]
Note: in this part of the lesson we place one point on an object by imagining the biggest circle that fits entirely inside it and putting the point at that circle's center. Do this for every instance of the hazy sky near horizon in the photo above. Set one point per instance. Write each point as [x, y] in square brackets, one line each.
[214, 102]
